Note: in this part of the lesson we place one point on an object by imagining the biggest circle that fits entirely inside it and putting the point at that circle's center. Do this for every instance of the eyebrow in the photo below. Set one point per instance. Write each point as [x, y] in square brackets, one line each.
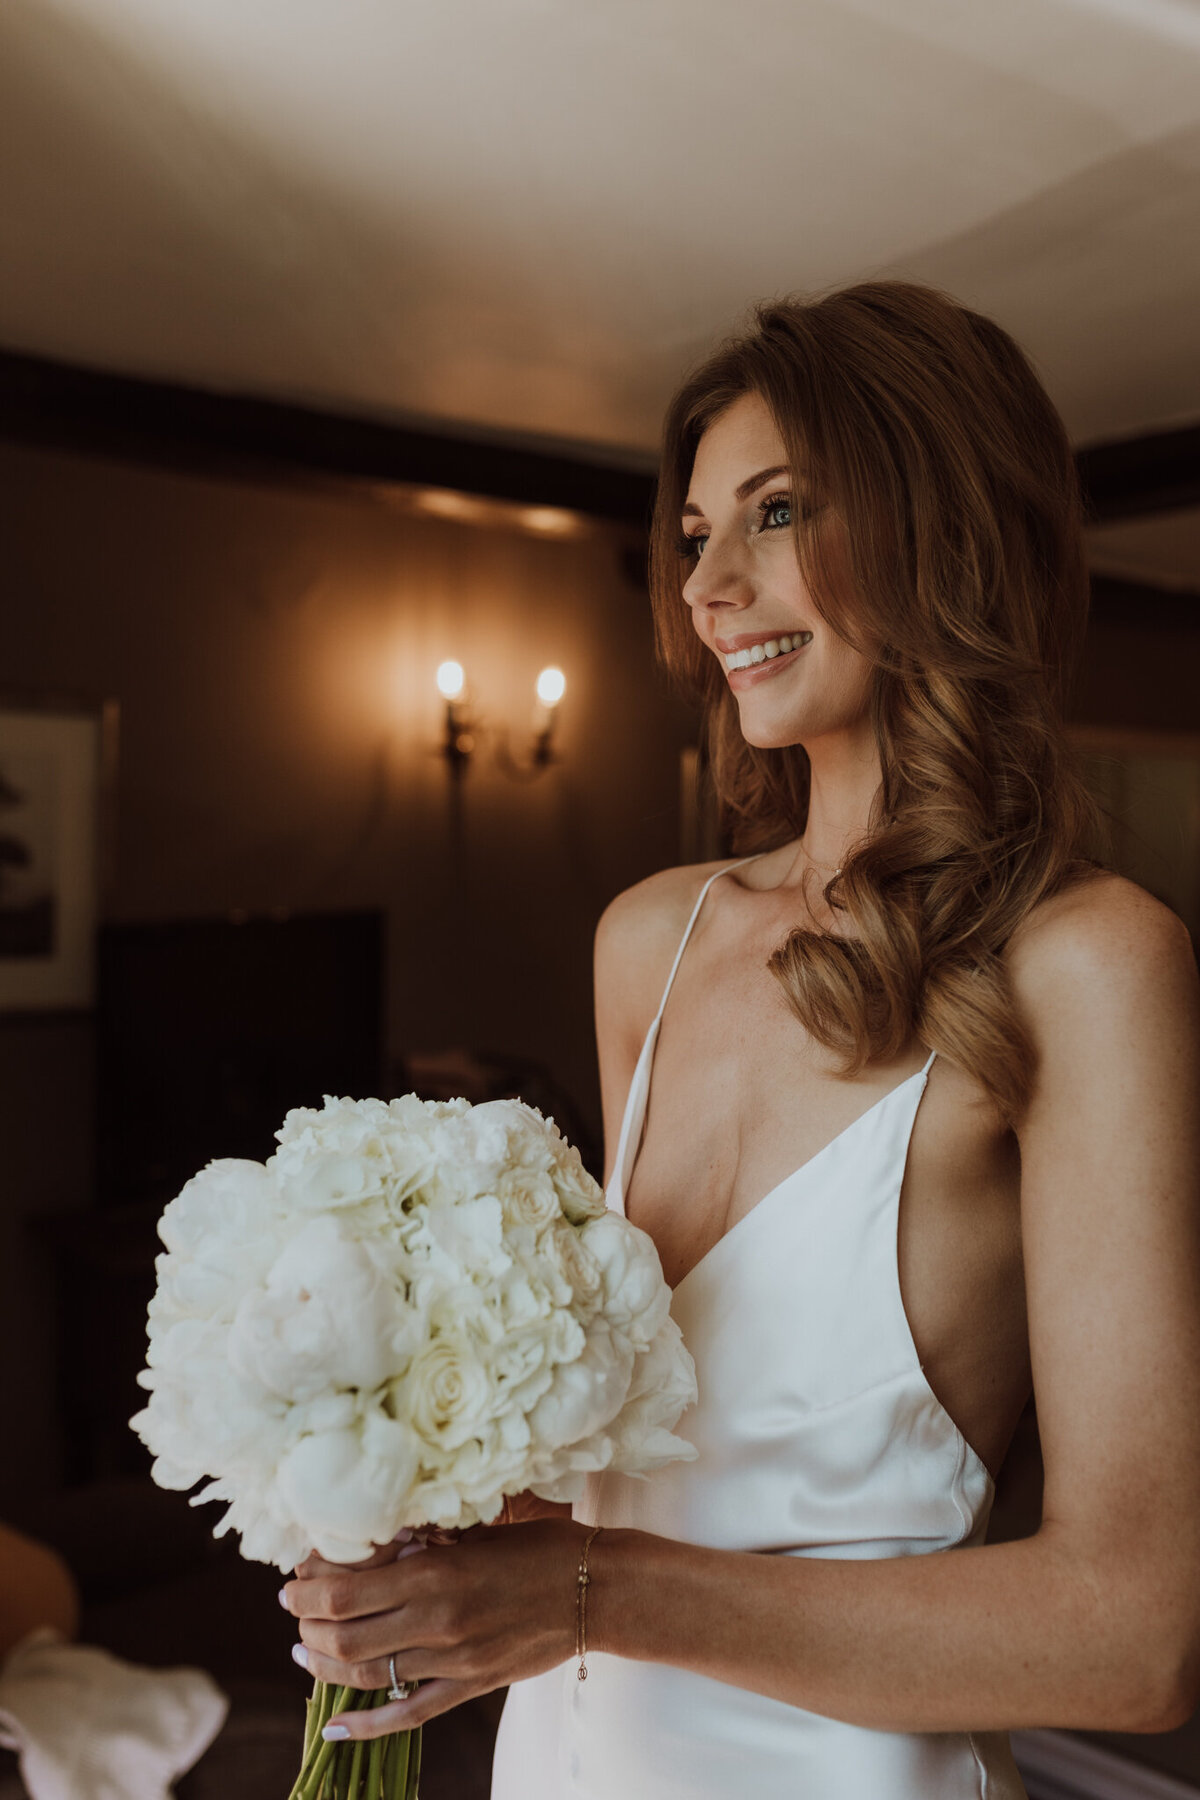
[742, 492]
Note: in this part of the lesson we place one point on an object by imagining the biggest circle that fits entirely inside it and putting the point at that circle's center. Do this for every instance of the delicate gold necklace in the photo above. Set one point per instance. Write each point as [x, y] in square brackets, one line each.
[824, 868]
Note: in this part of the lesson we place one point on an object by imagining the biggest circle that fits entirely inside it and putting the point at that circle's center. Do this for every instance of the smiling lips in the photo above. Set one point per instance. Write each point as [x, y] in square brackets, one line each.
[748, 656]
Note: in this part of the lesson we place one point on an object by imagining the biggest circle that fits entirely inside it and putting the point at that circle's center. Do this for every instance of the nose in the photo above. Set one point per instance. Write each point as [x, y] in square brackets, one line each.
[720, 580]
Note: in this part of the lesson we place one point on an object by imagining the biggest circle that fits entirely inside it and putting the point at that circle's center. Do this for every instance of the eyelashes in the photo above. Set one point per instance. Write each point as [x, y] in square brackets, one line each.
[689, 546]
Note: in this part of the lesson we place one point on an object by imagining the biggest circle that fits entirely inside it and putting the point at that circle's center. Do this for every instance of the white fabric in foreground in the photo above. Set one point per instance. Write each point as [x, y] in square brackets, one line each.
[88, 1726]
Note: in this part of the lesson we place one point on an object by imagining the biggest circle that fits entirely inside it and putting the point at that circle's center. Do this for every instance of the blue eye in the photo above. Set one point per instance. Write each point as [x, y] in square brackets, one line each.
[774, 514]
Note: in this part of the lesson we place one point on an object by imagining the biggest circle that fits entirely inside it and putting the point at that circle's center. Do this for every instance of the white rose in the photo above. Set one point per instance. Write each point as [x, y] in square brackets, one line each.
[636, 1298]
[446, 1395]
[581, 1195]
[326, 1318]
[529, 1198]
[346, 1489]
[566, 1252]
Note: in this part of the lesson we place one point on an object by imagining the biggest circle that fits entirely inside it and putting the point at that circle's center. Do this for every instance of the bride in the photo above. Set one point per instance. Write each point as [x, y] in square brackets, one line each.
[914, 1126]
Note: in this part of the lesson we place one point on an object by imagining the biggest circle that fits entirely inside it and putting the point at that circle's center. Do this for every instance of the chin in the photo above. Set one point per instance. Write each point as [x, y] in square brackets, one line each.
[761, 736]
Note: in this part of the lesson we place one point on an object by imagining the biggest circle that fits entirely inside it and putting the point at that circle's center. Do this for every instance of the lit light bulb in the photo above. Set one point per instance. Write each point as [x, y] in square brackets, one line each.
[451, 680]
[551, 686]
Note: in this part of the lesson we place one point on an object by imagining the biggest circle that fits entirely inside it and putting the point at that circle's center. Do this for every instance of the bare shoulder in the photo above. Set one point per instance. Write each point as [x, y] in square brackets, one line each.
[636, 940]
[1104, 934]
[1105, 978]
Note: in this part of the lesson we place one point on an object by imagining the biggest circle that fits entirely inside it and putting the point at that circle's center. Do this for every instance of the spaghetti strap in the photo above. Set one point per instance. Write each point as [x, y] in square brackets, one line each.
[633, 1117]
[687, 932]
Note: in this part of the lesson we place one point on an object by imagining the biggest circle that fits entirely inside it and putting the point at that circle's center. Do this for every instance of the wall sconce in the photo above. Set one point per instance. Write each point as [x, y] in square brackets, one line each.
[458, 742]
[464, 728]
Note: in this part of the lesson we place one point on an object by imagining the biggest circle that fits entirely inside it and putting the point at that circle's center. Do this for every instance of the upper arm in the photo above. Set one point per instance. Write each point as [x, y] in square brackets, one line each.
[636, 939]
[1110, 1206]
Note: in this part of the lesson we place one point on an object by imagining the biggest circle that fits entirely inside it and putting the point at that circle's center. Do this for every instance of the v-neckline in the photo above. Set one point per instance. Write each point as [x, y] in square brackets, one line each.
[801, 1169]
[639, 1098]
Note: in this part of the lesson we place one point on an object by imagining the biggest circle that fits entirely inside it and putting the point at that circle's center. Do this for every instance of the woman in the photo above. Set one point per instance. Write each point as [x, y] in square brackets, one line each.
[923, 1121]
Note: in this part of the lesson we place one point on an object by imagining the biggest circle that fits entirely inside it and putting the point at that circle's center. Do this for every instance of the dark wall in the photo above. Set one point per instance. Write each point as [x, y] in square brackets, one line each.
[273, 653]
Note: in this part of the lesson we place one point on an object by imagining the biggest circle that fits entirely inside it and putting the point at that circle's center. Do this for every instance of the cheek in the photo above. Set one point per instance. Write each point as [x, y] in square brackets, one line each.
[850, 676]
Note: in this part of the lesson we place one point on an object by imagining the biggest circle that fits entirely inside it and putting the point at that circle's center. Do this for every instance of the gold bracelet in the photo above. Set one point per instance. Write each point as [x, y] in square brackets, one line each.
[582, 1583]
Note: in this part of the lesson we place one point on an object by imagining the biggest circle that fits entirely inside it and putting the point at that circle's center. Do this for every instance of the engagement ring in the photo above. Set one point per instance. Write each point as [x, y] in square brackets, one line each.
[399, 1690]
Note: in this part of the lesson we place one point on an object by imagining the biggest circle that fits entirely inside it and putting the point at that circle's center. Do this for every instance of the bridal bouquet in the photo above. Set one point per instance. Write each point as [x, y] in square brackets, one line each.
[410, 1311]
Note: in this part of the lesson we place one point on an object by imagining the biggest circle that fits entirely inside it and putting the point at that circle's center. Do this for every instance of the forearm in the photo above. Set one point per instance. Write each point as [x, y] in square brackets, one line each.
[1000, 1637]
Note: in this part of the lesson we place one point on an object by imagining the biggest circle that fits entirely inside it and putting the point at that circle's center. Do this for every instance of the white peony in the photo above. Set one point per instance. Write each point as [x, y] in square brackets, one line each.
[324, 1317]
[585, 1393]
[636, 1298]
[342, 1484]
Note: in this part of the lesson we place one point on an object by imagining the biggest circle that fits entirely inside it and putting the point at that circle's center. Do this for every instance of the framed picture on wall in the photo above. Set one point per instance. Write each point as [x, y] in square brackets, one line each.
[1148, 784]
[57, 767]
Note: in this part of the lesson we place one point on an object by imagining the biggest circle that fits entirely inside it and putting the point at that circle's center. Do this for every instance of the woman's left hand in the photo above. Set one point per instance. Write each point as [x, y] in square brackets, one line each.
[462, 1618]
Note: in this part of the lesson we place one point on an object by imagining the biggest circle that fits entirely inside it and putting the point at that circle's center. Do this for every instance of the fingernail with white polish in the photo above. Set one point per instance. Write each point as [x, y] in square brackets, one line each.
[300, 1655]
[283, 1598]
[334, 1733]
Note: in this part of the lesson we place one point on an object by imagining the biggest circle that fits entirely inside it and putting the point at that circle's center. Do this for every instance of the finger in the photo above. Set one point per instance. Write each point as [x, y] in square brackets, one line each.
[365, 1672]
[371, 1639]
[347, 1593]
[314, 1564]
[430, 1699]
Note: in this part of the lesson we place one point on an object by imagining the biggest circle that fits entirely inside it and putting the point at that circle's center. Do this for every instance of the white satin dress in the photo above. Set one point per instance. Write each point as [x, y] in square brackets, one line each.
[818, 1435]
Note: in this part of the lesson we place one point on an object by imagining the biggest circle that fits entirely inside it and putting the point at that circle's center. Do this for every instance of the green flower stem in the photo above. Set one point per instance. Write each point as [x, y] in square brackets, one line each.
[395, 1766]
[356, 1763]
[314, 1778]
[414, 1764]
[315, 1713]
[310, 1723]
[336, 1771]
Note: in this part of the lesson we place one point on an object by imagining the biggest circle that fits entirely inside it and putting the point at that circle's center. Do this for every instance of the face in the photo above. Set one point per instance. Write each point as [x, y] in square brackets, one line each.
[747, 595]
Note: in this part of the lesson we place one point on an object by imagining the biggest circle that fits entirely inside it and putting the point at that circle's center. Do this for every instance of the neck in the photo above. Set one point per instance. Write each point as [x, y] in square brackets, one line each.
[845, 777]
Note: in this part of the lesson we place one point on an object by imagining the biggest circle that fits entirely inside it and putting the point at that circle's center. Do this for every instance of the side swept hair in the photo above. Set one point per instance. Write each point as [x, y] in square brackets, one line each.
[923, 428]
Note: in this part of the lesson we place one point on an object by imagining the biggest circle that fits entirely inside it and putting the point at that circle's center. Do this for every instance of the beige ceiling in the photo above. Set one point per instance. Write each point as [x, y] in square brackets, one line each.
[530, 214]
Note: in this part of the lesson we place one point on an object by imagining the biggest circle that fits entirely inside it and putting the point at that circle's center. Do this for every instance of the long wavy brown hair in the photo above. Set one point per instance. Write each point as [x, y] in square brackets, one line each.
[926, 435]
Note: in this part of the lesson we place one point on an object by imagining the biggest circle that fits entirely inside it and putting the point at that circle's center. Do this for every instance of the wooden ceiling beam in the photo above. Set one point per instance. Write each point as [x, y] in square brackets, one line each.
[62, 406]
[59, 406]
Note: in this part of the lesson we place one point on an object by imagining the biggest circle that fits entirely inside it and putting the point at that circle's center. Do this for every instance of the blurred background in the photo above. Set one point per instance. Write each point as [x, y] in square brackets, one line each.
[334, 340]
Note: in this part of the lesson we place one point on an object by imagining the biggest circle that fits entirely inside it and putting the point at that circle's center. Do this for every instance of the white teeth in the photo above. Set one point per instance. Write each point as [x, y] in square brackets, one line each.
[757, 653]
